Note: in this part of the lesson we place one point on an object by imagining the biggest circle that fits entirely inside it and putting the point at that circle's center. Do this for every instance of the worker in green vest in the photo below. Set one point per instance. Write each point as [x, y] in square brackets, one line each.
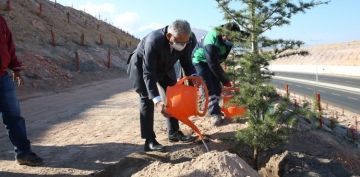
[207, 57]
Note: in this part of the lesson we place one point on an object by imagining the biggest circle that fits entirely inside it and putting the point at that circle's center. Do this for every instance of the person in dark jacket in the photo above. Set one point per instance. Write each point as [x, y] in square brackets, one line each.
[152, 63]
[9, 105]
[209, 54]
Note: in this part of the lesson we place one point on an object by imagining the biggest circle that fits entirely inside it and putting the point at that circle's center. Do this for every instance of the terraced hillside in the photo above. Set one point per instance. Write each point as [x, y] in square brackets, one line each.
[61, 46]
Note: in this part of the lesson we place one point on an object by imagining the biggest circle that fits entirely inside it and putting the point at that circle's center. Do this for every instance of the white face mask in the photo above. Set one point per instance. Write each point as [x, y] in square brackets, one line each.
[177, 46]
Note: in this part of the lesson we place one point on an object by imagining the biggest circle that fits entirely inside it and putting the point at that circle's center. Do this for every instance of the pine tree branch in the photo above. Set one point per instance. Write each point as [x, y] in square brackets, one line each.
[271, 25]
[227, 11]
[301, 52]
[270, 14]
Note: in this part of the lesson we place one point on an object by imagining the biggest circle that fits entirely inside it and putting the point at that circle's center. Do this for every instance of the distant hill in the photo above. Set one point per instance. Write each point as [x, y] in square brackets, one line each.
[199, 33]
[333, 59]
[53, 67]
[341, 54]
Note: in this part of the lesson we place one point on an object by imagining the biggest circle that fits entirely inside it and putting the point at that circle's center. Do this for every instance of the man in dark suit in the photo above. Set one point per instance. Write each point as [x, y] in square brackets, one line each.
[153, 62]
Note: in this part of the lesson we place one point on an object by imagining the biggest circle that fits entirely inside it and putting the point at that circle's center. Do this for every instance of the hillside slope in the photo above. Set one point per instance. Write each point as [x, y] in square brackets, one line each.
[53, 65]
[332, 59]
[341, 54]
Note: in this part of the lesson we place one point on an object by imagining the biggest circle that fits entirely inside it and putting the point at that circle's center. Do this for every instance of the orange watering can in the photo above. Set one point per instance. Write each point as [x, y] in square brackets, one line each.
[182, 101]
[231, 111]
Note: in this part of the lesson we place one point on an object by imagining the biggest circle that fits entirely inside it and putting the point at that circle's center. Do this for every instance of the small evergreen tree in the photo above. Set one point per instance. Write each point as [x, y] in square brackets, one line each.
[267, 125]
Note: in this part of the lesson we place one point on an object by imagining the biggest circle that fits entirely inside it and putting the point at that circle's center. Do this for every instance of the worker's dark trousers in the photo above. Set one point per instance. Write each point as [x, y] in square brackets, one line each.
[10, 110]
[213, 85]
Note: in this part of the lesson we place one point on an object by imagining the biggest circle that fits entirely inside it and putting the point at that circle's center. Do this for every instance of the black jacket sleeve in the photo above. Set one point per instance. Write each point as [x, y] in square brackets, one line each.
[151, 56]
[212, 54]
[228, 46]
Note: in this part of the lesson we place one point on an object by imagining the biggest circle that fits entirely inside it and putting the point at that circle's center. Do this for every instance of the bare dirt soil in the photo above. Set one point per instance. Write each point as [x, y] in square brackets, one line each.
[84, 129]
[83, 124]
[94, 129]
[213, 163]
[66, 131]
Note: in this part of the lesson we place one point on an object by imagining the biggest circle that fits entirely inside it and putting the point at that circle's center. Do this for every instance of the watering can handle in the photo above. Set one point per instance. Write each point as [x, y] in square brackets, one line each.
[197, 81]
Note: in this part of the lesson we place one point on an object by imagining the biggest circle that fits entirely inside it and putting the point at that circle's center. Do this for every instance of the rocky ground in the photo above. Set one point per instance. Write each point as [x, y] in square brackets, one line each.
[85, 123]
[94, 129]
[53, 66]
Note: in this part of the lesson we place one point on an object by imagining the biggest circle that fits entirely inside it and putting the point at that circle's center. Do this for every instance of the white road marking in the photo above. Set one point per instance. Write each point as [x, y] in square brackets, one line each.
[342, 88]
[335, 94]
[351, 98]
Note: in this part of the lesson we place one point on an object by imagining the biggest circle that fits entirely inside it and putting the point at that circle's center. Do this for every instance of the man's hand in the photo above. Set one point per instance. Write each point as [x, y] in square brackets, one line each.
[18, 79]
[160, 107]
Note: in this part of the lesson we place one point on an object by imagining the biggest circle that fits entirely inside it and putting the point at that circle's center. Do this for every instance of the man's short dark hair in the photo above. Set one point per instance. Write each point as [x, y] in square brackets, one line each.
[231, 26]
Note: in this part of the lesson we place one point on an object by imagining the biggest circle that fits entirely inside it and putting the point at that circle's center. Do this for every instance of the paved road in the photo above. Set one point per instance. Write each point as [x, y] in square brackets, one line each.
[343, 99]
[344, 81]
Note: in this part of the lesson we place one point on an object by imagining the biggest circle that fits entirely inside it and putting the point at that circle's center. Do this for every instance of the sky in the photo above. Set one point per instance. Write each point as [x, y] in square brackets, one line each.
[333, 23]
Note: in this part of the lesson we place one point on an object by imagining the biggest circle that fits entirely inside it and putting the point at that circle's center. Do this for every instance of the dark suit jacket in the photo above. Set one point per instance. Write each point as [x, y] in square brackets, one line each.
[153, 61]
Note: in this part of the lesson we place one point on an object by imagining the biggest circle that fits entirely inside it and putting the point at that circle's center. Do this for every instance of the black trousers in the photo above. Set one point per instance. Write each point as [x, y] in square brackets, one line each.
[147, 119]
[214, 87]
[147, 105]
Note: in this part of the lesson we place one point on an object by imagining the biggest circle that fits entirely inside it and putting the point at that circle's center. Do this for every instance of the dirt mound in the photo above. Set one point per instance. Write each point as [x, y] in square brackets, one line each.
[294, 164]
[214, 163]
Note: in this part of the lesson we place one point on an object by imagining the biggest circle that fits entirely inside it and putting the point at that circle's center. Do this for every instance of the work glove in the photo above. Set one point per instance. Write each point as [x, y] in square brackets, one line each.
[228, 84]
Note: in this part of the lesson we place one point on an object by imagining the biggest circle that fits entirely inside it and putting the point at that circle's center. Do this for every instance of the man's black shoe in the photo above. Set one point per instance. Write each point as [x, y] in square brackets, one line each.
[30, 159]
[153, 145]
[179, 136]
